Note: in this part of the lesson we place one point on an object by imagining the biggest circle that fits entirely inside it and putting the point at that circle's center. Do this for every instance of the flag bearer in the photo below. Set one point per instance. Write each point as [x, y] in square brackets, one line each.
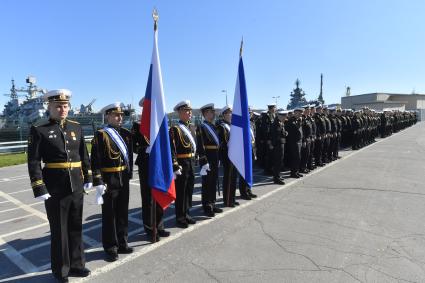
[229, 171]
[140, 144]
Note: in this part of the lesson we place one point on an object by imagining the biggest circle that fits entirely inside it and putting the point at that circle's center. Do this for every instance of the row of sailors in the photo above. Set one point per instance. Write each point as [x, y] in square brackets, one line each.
[314, 134]
[61, 171]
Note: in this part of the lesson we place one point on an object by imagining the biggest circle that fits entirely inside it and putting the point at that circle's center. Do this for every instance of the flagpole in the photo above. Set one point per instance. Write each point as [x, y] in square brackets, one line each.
[155, 17]
[241, 49]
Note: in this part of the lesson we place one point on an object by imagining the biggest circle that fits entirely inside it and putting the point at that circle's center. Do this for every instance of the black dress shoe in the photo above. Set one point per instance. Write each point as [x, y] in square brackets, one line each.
[163, 233]
[60, 278]
[236, 203]
[150, 236]
[295, 175]
[299, 175]
[251, 194]
[278, 181]
[190, 220]
[125, 250]
[182, 224]
[111, 256]
[229, 205]
[79, 272]
[245, 197]
[217, 210]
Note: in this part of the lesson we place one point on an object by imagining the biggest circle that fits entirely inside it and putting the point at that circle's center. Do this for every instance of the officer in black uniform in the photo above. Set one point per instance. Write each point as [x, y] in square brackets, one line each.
[208, 145]
[183, 148]
[310, 160]
[267, 121]
[278, 141]
[140, 144]
[294, 140]
[328, 135]
[229, 170]
[320, 136]
[59, 143]
[306, 142]
[112, 165]
[334, 134]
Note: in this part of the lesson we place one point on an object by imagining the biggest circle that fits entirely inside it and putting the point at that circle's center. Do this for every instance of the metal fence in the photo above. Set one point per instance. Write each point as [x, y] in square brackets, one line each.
[21, 146]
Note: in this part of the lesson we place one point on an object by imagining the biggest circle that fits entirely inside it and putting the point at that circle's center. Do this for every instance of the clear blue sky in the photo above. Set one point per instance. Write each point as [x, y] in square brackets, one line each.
[102, 49]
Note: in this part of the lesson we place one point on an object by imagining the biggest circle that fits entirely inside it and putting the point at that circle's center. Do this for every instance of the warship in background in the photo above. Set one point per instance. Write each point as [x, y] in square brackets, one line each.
[26, 106]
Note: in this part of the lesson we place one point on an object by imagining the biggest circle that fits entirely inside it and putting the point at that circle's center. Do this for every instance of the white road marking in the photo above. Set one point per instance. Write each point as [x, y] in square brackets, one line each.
[33, 247]
[24, 206]
[135, 220]
[24, 230]
[27, 275]
[90, 241]
[15, 178]
[4, 201]
[16, 218]
[10, 209]
[21, 191]
[14, 256]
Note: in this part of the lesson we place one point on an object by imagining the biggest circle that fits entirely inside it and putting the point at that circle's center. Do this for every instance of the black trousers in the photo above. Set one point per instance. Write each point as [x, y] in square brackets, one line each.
[325, 150]
[209, 187]
[305, 154]
[268, 161]
[146, 194]
[229, 182]
[311, 155]
[335, 149]
[115, 217]
[318, 148]
[294, 150]
[278, 157]
[65, 215]
[184, 189]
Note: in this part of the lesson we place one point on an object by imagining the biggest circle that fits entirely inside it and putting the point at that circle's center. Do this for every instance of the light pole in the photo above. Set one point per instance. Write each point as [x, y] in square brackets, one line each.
[225, 91]
[276, 98]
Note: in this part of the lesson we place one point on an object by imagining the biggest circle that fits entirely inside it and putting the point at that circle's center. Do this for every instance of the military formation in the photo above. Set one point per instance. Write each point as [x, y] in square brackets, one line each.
[61, 170]
[310, 136]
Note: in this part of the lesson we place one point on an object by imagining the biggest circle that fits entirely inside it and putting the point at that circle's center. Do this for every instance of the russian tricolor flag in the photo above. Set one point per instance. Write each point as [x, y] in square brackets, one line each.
[240, 130]
[154, 126]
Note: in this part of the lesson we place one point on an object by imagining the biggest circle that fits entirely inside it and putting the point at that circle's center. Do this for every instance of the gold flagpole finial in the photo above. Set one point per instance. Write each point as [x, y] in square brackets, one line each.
[155, 17]
[241, 49]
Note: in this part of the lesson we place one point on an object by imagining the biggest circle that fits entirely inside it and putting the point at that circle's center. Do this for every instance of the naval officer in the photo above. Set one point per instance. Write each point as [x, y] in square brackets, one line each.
[59, 143]
[112, 165]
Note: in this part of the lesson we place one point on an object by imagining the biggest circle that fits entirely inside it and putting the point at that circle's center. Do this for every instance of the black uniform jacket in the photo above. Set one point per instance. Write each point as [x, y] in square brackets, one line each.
[108, 163]
[181, 147]
[207, 147]
[60, 145]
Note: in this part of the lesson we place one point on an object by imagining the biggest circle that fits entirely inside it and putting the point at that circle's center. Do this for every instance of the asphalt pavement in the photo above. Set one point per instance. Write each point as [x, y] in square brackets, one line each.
[358, 219]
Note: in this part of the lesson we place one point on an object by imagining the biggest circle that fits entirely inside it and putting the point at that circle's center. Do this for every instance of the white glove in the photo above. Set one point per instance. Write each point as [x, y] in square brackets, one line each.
[100, 190]
[204, 170]
[207, 167]
[88, 186]
[43, 197]
[177, 173]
